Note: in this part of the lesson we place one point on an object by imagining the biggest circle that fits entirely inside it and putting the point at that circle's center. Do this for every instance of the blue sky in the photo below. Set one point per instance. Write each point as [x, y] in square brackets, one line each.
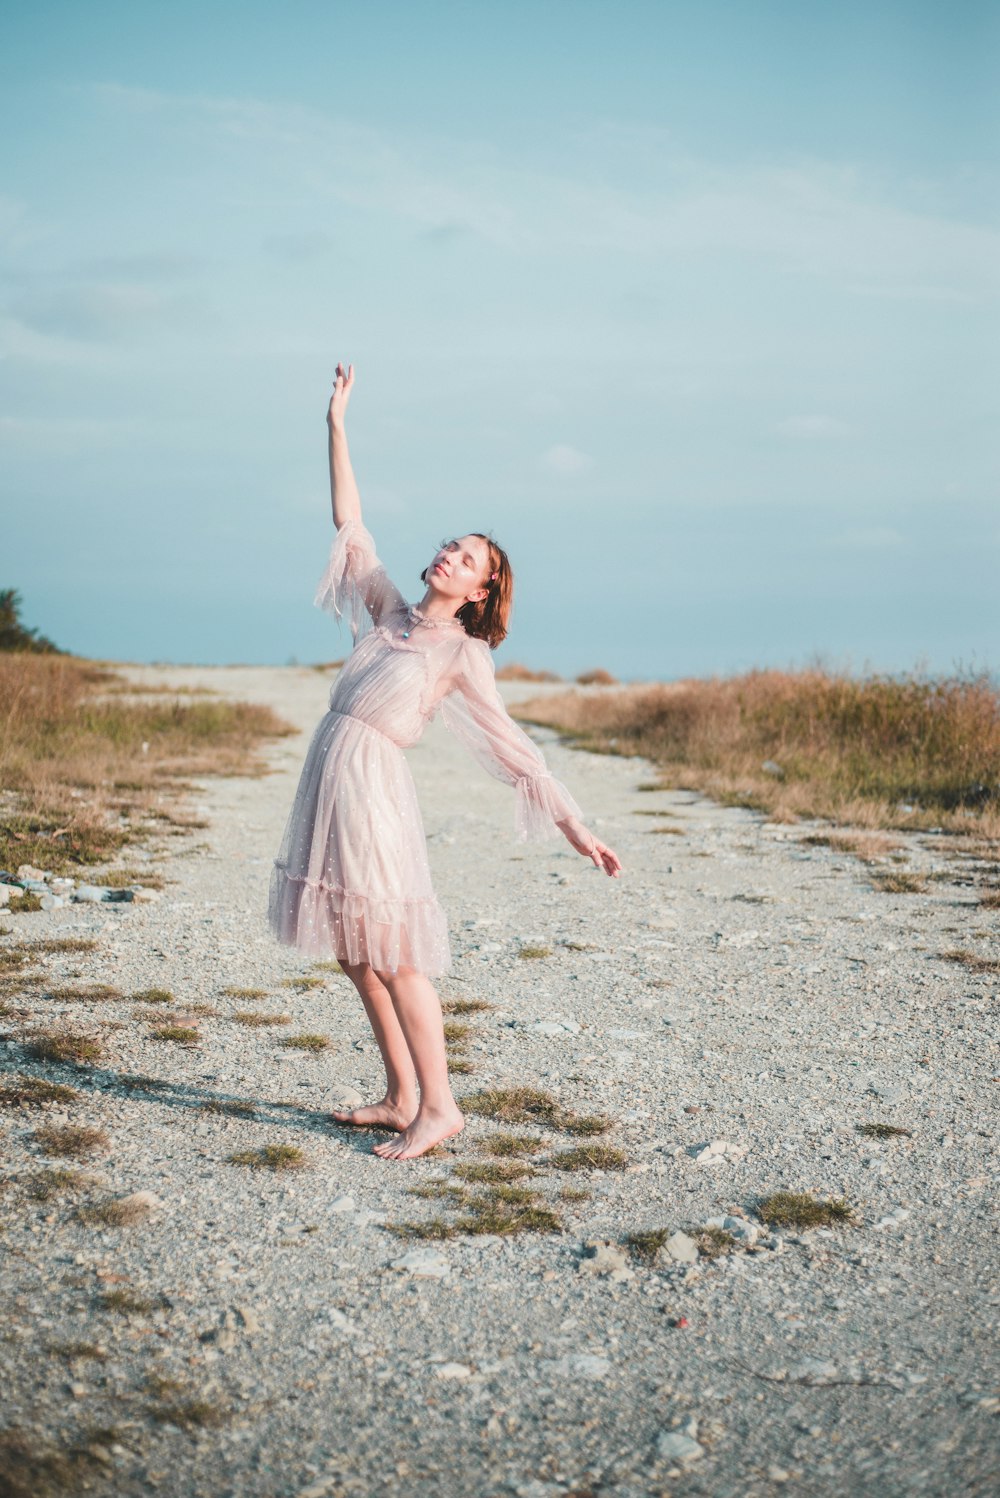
[693, 305]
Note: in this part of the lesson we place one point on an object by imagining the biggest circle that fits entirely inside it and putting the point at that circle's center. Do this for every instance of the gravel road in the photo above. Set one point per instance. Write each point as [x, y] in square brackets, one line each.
[736, 988]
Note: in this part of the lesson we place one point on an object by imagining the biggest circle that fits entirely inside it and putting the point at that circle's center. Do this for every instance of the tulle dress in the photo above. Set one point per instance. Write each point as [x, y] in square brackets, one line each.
[352, 878]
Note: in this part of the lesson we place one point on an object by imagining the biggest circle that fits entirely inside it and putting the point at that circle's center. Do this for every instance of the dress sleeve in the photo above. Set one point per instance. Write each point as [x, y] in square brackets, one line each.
[474, 711]
[355, 580]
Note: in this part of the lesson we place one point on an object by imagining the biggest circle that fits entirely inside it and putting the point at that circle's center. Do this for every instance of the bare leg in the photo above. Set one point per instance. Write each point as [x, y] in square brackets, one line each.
[399, 1106]
[418, 1010]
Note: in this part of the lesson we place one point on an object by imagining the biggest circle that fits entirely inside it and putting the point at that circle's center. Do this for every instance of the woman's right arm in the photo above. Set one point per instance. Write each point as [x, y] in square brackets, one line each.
[343, 485]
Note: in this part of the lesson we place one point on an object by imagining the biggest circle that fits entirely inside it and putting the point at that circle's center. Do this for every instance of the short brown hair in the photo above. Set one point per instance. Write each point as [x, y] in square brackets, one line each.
[487, 619]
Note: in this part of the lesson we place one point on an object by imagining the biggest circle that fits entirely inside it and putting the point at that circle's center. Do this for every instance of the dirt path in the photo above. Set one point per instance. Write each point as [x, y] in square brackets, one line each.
[735, 987]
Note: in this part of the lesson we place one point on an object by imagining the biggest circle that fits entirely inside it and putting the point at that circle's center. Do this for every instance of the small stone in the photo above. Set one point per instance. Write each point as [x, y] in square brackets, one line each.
[715, 1152]
[52, 902]
[226, 1340]
[681, 1248]
[602, 1257]
[28, 874]
[144, 896]
[423, 1264]
[343, 1203]
[90, 894]
[78, 1391]
[778, 1474]
[5, 894]
[555, 1027]
[452, 1370]
[345, 1097]
[675, 1446]
[248, 1317]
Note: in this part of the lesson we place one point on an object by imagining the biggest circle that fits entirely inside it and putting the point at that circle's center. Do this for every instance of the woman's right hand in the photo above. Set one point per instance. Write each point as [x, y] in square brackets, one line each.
[342, 387]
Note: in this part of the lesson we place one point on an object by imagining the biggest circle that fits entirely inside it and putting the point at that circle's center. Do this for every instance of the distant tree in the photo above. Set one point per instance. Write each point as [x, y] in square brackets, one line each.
[13, 634]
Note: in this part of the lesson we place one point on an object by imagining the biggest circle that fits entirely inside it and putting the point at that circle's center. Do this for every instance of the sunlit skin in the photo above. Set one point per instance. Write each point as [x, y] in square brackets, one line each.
[403, 1008]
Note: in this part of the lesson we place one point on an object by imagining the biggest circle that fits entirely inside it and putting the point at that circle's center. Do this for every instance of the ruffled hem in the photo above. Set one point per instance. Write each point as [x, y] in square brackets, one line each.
[540, 803]
[324, 920]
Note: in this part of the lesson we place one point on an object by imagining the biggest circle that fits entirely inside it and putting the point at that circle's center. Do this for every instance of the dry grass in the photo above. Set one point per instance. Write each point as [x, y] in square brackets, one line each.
[246, 993]
[235, 1108]
[256, 1018]
[32, 1470]
[511, 1145]
[530, 954]
[57, 944]
[179, 1034]
[512, 671]
[307, 1042]
[465, 1006]
[459, 1066]
[646, 1245]
[65, 731]
[126, 1303]
[493, 1172]
[270, 1157]
[91, 993]
[74, 1141]
[456, 1034]
[792, 1209]
[302, 984]
[34, 1092]
[852, 751]
[883, 1131]
[154, 996]
[714, 1243]
[114, 1212]
[899, 882]
[46, 1184]
[590, 1157]
[972, 960]
[191, 1414]
[63, 1046]
[529, 1105]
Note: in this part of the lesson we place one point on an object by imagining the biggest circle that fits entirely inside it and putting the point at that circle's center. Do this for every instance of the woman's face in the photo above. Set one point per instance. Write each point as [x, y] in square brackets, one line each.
[459, 567]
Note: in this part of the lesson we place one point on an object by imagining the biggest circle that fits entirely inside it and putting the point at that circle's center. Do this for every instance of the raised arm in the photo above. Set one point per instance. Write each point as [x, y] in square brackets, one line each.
[343, 485]
[354, 581]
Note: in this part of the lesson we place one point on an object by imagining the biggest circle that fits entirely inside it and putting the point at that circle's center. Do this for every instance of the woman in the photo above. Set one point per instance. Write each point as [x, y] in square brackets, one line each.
[352, 878]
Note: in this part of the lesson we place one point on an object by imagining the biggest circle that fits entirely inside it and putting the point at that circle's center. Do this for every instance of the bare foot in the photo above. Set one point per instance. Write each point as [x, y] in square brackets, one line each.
[383, 1115]
[426, 1130]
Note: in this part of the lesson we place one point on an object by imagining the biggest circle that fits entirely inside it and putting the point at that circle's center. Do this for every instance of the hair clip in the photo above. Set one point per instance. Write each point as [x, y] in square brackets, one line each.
[493, 577]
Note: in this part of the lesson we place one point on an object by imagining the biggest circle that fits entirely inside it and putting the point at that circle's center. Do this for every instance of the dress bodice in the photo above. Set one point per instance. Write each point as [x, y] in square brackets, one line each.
[403, 667]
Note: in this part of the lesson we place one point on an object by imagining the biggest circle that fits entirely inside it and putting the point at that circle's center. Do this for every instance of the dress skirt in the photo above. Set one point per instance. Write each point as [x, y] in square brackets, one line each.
[352, 878]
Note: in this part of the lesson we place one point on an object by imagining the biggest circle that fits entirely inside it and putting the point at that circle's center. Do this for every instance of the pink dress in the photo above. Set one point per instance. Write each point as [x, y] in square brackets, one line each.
[352, 878]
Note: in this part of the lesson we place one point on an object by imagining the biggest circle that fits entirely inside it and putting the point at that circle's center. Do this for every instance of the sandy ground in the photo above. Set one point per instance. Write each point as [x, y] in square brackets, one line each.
[734, 985]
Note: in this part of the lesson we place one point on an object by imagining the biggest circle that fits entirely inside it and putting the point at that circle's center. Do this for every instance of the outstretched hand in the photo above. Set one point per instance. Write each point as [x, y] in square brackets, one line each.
[342, 387]
[586, 843]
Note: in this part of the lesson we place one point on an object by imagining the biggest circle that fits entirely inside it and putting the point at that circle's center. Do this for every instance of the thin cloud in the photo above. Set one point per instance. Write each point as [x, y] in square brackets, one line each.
[566, 461]
[813, 428]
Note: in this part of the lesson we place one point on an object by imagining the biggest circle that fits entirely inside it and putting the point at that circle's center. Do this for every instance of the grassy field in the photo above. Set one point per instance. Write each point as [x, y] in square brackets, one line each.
[878, 752]
[89, 762]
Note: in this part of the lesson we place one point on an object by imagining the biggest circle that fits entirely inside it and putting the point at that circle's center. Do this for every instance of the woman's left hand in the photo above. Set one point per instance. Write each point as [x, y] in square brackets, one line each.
[586, 843]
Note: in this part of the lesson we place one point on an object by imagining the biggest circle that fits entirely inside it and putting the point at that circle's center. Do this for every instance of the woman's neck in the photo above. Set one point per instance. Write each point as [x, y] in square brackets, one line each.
[432, 606]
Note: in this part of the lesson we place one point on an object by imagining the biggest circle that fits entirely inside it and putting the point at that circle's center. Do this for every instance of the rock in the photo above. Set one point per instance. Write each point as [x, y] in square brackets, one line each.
[587, 1365]
[681, 1248]
[5, 894]
[144, 896]
[555, 1027]
[52, 902]
[715, 1152]
[602, 1257]
[248, 1318]
[343, 1203]
[27, 873]
[452, 1370]
[423, 1264]
[226, 1339]
[120, 896]
[742, 1230]
[894, 1219]
[813, 1371]
[675, 1446]
[78, 1391]
[736, 938]
[346, 1097]
[90, 894]
[770, 767]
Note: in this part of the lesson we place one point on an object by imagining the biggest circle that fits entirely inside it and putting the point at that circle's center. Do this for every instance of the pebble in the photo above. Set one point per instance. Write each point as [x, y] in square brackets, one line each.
[681, 1248]
[716, 1152]
[675, 1446]
[343, 1203]
[452, 1370]
[605, 1258]
[423, 1263]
